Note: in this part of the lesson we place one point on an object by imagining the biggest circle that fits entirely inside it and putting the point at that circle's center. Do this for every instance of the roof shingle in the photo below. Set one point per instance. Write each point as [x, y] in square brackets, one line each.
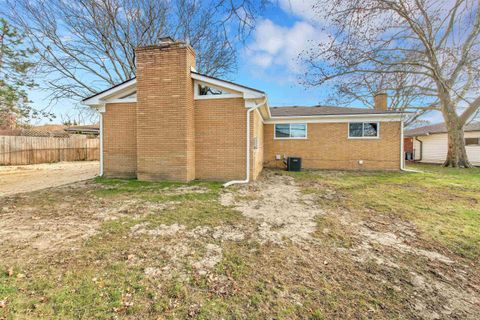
[438, 128]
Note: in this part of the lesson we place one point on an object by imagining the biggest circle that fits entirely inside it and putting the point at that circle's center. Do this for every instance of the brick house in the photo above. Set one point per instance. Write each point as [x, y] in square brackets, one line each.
[173, 123]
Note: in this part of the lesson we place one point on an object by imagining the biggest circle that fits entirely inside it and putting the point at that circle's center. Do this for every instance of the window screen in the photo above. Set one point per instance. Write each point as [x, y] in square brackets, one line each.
[363, 130]
[291, 131]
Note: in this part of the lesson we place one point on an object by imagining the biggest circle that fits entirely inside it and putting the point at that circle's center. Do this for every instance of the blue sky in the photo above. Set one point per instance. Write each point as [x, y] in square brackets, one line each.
[269, 61]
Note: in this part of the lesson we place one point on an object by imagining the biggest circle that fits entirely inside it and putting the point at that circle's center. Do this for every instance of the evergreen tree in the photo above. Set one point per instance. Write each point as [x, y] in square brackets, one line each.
[16, 68]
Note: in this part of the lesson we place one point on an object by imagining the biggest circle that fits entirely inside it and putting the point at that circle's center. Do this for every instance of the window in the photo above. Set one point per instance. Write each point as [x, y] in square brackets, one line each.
[291, 131]
[208, 91]
[472, 141]
[363, 130]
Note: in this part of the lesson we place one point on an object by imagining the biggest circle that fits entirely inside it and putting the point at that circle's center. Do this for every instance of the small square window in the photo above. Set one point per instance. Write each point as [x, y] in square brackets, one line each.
[472, 141]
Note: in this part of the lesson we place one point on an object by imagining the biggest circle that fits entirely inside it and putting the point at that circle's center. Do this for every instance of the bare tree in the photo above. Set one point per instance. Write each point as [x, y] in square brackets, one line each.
[427, 50]
[87, 45]
[363, 86]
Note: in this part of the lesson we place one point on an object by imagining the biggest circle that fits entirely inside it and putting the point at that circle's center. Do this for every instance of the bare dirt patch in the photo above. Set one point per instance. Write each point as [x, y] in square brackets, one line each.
[283, 211]
[277, 203]
[31, 227]
[18, 179]
[441, 284]
[282, 247]
[184, 244]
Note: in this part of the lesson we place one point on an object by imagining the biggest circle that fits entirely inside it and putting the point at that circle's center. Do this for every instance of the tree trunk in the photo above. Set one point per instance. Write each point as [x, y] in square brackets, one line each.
[457, 155]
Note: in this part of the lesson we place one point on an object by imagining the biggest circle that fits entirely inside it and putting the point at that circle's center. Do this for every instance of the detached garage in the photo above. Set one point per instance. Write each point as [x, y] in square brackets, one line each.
[430, 143]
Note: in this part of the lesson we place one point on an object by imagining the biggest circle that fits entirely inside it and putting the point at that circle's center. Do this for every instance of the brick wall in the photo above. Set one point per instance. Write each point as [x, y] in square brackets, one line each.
[257, 154]
[220, 126]
[328, 147]
[167, 135]
[408, 144]
[119, 140]
[165, 113]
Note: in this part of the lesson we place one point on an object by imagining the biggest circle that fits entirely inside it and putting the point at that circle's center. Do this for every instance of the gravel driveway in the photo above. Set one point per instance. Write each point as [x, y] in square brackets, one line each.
[18, 179]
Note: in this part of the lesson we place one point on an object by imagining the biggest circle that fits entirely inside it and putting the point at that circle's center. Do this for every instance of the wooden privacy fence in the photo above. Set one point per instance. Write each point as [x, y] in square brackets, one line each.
[17, 150]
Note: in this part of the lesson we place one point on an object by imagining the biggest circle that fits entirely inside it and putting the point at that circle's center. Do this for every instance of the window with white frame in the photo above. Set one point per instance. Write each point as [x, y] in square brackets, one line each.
[363, 130]
[290, 131]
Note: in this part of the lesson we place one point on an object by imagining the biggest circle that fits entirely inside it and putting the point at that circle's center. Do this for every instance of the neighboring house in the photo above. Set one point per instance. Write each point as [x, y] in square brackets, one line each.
[430, 143]
[93, 129]
[53, 130]
[173, 123]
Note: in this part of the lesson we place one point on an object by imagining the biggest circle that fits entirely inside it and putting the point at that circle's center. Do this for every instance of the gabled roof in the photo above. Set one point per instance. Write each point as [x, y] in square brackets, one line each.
[125, 86]
[226, 82]
[438, 128]
[129, 85]
[301, 111]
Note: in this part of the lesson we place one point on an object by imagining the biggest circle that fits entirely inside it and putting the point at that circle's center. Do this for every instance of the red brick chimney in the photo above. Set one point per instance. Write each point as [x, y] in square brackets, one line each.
[380, 99]
[165, 112]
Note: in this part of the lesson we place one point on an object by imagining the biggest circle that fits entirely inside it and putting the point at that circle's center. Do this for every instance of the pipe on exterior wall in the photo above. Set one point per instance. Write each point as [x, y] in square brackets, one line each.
[101, 111]
[247, 178]
[402, 153]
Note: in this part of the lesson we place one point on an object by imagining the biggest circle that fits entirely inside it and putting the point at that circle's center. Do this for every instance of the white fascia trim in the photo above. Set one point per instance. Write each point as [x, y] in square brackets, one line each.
[247, 93]
[336, 118]
[260, 114]
[130, 100]
[103, 97]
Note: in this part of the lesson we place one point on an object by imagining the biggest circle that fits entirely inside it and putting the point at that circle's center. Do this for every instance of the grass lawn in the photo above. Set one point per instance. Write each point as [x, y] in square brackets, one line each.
[384, 245]
[443, 202]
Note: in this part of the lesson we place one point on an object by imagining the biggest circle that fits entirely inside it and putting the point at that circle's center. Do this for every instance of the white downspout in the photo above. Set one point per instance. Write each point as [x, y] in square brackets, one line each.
[247, 178]
[101, 110]
[402, 154]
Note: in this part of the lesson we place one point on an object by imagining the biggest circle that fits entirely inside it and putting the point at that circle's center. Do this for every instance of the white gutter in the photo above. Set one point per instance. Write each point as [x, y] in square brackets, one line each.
[402, 155]
[247, 178]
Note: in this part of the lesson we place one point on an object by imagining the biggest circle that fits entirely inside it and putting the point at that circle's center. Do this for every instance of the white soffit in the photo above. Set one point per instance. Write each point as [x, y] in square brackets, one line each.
[113, 94]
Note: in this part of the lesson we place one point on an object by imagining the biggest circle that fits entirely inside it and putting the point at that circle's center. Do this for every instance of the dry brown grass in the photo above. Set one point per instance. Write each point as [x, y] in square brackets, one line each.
[166, 250]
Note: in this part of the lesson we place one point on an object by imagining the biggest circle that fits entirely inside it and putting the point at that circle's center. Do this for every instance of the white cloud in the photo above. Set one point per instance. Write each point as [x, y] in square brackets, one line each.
[304, 9]
[278, 46]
